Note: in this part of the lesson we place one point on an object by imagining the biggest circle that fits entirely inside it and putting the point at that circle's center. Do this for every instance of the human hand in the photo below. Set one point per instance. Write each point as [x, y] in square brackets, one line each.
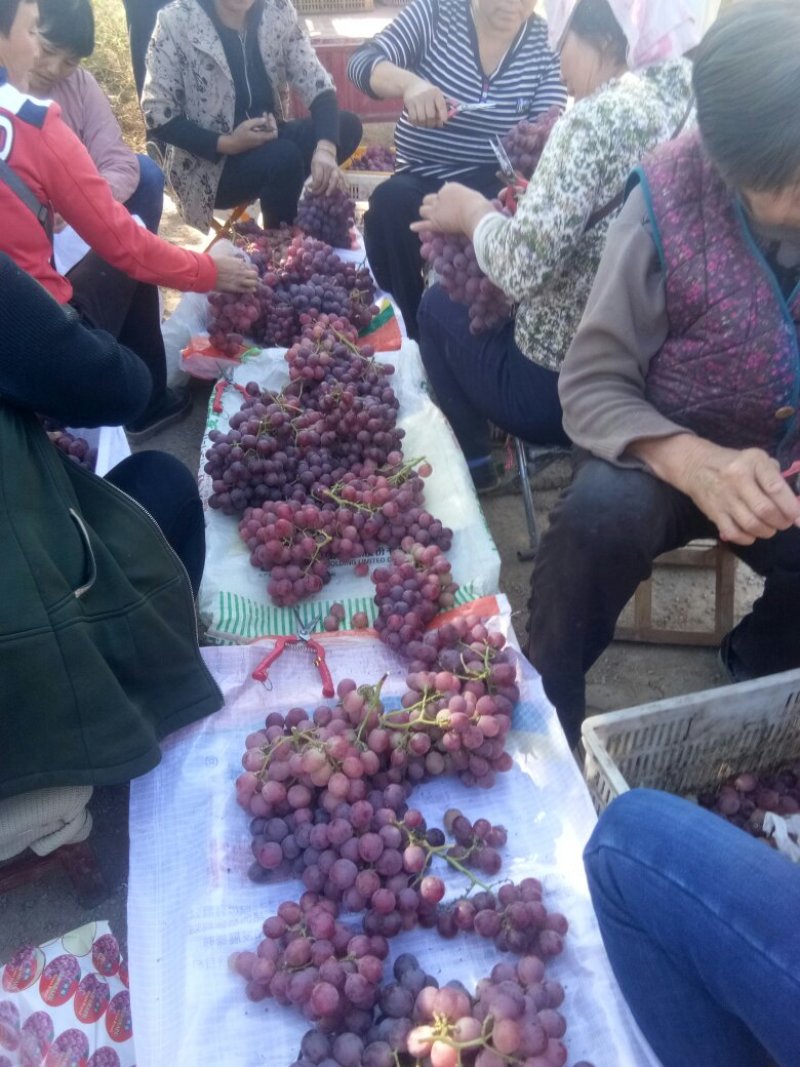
[425, 104]
[235, 275]
[59, 222]
[454, 209]
[741, 491]
[251, 133]
[325, 174]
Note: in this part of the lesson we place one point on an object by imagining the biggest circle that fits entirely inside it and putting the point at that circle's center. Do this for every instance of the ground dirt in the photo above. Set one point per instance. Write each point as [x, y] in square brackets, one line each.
[626, 675]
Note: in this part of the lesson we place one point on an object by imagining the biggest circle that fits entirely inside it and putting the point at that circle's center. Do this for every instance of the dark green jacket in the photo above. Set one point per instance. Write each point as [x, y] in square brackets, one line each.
[98, 643]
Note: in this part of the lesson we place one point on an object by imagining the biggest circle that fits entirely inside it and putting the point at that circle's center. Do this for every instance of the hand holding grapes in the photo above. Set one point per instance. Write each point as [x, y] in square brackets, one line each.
[425, 104]
[251, 133]
[235, 275]
[454, 209]
[325, 176]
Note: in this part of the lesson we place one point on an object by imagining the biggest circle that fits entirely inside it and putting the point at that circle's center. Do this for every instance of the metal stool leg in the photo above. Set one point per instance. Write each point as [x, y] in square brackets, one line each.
[524, 554]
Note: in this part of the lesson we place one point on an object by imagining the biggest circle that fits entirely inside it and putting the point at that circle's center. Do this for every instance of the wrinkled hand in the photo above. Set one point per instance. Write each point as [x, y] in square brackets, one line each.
[742, 492]
[251, 133]
[451, 210]
[235, 275]
[325, 174]
[425, 105]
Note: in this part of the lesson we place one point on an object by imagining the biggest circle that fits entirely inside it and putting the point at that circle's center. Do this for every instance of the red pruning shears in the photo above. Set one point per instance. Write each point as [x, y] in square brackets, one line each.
[515, 183]
[302, 636]
[455, 107]
[793, 472]
[222, 385]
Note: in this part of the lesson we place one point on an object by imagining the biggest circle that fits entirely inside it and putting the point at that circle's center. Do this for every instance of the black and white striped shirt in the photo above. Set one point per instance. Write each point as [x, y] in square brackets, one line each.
[437, 40]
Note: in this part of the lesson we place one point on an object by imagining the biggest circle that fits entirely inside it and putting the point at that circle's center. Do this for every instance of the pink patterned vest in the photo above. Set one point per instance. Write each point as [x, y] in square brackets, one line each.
[730, 367]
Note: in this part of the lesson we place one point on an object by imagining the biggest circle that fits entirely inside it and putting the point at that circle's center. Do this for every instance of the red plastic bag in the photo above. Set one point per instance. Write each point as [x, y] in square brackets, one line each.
[201, 359]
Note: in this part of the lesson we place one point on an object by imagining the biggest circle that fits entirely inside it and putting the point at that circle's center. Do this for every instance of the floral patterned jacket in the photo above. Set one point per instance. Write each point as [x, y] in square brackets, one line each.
[544, 257]
[187, 74]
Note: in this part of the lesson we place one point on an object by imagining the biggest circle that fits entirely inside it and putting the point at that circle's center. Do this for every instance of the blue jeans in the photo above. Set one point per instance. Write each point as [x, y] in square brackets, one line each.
[483, 378]
[701, 923]
[147, 200]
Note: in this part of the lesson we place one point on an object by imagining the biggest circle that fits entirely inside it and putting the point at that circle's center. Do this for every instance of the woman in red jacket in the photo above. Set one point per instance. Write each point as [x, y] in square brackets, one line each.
[48, 170]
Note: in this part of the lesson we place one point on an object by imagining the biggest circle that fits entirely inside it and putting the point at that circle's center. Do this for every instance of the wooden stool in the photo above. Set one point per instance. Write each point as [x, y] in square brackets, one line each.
[224, 229]
[708, 554]
[221, 229]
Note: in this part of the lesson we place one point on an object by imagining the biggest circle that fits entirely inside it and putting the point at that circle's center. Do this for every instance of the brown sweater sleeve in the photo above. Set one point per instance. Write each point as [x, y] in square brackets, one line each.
[602, 381]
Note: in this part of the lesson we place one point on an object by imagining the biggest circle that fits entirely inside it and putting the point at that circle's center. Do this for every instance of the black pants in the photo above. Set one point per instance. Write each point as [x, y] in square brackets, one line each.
[275, 172]
[141, 19]
[107, 299]
[485, 377]
[392, 249]
[603, 536]
[167, 489]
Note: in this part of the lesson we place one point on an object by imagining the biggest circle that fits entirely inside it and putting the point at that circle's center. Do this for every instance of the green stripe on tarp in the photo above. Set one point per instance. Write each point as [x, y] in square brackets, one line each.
[243, 618]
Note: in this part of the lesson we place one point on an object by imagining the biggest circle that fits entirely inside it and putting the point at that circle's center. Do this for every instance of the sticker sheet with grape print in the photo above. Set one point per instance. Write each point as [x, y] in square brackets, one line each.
[66, 1003]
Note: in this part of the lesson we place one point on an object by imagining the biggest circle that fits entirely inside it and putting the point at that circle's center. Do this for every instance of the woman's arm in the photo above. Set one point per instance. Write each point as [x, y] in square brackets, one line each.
[102, 136]
[52, 364]
[522, 253]
[83, 198]
[384, 68]
[163, 97]
[602, 381]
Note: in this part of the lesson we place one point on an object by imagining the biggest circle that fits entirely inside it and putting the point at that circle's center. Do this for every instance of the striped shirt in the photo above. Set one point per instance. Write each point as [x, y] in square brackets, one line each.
[437, 40]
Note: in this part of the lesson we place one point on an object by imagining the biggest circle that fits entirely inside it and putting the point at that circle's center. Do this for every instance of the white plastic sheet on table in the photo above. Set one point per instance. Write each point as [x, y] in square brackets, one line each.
[233, 597]
[190, 903]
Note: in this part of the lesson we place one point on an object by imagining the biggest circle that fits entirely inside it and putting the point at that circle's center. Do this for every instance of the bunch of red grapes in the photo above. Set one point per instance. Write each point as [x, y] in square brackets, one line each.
[745, 798]
[376, 157]
[328, 217]
[524, 143]
[75, 448]
[452, 257]
[299, 275]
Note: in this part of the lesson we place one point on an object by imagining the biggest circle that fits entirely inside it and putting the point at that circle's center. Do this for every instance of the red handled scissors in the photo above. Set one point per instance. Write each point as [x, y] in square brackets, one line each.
[221, 386]
[302, 636]
[515, 183]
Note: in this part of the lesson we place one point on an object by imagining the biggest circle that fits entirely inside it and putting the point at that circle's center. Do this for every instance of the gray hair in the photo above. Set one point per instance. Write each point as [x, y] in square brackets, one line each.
[747, 86]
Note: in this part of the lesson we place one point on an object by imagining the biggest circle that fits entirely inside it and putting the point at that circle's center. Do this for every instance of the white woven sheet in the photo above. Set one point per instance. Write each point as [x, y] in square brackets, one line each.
[191, 904]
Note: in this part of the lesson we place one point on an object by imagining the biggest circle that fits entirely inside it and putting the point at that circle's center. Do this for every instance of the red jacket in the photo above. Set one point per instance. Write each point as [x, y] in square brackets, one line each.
[44, 152]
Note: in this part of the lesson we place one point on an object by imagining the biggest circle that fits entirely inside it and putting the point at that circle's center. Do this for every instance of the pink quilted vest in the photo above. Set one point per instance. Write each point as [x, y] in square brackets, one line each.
[730, 367]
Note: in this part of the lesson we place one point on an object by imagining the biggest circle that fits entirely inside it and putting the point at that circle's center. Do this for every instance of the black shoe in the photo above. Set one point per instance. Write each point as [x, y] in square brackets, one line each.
[492, 479]
[173, 406]
[730, 662]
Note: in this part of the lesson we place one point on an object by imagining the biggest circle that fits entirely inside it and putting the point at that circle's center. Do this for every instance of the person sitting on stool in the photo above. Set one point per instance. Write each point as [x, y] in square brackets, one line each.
[217, 74]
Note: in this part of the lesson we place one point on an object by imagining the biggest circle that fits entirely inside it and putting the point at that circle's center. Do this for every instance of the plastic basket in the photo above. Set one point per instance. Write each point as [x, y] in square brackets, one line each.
[331, 7]
[361, 183]
[688, 744]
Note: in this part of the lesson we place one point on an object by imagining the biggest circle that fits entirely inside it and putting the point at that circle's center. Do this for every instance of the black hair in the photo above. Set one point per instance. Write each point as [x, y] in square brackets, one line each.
[594, 22]
[747, 87]
[68, 24]
[8, 12]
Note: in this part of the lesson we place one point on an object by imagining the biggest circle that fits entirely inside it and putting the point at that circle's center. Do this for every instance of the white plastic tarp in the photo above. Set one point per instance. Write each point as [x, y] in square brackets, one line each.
[233, 597]
[191, 904]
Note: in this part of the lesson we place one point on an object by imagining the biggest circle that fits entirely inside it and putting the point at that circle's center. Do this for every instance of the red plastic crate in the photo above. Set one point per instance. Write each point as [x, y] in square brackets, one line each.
[334, 56]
